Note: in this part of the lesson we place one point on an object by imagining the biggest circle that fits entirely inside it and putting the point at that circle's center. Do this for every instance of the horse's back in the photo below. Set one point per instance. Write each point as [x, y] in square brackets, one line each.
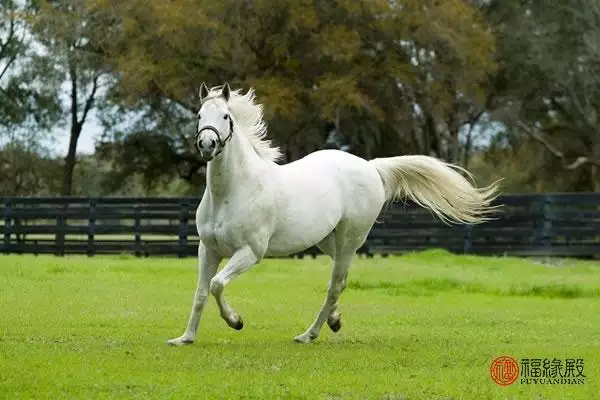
[356, 178]
[325, 188]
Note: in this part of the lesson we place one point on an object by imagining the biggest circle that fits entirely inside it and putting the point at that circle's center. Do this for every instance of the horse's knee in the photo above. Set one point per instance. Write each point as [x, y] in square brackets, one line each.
[200, 300]
[216, 286]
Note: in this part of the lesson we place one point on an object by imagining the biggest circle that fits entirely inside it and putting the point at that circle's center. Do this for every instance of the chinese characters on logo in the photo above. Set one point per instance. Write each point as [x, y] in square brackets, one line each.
[556, 371]
[505, 371]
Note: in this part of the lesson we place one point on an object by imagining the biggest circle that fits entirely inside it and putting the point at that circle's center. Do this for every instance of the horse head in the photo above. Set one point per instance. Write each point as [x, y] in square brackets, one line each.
[215, 125]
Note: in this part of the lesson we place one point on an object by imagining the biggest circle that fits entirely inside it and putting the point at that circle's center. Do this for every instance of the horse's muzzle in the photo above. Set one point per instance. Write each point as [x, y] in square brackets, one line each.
[207, 145]
[206, 156]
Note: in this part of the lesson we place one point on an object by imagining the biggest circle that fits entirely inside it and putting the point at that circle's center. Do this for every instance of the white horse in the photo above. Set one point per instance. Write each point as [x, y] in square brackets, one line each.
[253, 207]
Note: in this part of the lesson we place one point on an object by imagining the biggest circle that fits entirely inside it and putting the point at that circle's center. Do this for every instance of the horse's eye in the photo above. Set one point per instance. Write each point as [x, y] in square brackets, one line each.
[226, 116]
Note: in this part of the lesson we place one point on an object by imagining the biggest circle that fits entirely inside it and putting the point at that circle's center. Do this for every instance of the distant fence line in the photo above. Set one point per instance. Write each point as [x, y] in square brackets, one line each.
[527, 225]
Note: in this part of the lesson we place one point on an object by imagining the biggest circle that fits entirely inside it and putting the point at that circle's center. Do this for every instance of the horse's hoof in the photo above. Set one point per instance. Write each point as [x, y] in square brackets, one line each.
[335, 323]
[305, 338]
[180, 341]
[237, 325]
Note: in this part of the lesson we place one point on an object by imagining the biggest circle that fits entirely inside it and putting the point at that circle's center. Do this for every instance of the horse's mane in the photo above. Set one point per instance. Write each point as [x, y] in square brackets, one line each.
[248, 115]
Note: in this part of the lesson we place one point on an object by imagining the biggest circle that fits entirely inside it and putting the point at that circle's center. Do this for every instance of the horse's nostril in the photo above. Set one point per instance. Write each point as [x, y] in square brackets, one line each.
[207, 144]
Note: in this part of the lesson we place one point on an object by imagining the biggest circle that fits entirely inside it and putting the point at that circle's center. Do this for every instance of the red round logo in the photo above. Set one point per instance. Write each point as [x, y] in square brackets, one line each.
[504, 370]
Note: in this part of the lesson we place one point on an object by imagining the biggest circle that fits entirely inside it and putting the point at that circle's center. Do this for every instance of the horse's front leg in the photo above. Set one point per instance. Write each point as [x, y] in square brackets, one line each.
[208, 263]
[241, 261]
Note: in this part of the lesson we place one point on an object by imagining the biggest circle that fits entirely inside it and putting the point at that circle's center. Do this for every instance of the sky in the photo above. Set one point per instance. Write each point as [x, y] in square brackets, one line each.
[58, 142]
[91, 131]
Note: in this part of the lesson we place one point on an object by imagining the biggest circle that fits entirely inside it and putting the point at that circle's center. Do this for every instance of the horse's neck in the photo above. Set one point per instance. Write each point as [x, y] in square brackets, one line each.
[235, 167]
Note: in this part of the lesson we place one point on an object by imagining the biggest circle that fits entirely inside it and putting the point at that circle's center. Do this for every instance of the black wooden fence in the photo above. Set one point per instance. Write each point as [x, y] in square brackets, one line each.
[547, 224]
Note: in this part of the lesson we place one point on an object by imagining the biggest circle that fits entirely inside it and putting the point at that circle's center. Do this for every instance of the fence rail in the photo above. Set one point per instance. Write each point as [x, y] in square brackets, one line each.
[543, 224]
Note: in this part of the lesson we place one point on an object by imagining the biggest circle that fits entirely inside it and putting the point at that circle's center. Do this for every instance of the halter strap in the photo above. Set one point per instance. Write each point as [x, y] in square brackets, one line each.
[223, 142]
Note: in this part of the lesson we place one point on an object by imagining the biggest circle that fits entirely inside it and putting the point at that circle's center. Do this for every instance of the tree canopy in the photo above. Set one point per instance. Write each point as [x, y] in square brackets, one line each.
[489, 85]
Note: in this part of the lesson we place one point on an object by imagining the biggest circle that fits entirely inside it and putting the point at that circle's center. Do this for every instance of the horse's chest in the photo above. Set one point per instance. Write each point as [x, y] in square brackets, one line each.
[220, 236]
[230, 225]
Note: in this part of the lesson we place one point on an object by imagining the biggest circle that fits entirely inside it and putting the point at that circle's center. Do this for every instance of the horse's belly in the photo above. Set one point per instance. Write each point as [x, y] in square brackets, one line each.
[303, 228]
[285, 245]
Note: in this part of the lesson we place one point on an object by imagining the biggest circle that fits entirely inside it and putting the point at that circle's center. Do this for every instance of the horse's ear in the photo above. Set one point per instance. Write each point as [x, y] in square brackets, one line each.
[203, 92]
[226, 92]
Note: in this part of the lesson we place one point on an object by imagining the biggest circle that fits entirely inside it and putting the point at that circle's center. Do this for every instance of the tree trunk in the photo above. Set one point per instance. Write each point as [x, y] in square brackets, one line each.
[595, 182]
[453, 126]
[67, 183]
[468, 146]
[76, 125]
[594, 178]
[433, 142]
[453, 153]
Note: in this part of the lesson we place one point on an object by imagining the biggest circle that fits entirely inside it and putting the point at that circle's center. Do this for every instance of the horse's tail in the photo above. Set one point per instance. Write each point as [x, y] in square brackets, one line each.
[436, 185]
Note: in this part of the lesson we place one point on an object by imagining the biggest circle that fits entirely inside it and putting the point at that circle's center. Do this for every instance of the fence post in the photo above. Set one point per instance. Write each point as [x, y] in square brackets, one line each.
[7, 224]
[138, 235]
[468, 239]
[183, 228]
[91, 250]
[59, 237]
[546, 231]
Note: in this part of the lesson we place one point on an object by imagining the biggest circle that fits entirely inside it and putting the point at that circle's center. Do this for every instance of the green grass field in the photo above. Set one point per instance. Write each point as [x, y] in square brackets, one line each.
[422, 326]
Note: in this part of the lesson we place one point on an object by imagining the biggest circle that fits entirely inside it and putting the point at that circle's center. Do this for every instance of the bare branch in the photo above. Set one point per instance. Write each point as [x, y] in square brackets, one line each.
[9, 38]
[5, 46]
[74, 98]
[584, 105]
[89, 102]
[538, 137]
[9, 62]
[579, 162]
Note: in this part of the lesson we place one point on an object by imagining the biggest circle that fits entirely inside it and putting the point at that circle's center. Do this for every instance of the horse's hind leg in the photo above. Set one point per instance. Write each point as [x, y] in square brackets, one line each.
[327, 245]
[347, 241]
[329, 307]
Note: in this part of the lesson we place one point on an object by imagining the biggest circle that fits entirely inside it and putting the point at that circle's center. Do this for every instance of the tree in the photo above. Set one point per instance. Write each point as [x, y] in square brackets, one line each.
[27, 111]
[548, 87]
[350, 63]
[23, 104]
[63, 29]
[12, 46]
[452, 59]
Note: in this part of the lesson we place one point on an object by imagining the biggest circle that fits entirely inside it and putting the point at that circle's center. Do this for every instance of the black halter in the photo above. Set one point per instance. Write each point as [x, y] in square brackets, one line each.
[223, 142]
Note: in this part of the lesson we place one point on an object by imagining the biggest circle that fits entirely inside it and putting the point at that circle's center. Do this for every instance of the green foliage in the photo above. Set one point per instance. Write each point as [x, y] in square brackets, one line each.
[310, 63]
[21, 105]
[548, 89]
[26, 172]
[64, 30]
[152, 159]
[421, 336]
[392, 78]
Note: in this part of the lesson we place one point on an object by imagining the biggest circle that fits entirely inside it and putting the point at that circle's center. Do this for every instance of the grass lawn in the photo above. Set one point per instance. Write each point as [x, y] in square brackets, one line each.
[421, 326]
